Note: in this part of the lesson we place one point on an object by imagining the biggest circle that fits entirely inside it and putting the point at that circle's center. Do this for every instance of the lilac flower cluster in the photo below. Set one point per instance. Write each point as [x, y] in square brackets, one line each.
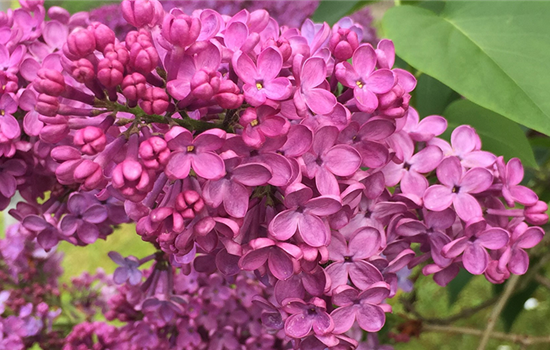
[288, 13]
[258, 159]
[29, 292]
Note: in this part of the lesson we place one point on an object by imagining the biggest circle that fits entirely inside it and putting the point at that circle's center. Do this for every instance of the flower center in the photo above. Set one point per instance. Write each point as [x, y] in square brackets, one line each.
[259, 86]
[190, 148]
[456, 189]
[255, 121]
[359, 83]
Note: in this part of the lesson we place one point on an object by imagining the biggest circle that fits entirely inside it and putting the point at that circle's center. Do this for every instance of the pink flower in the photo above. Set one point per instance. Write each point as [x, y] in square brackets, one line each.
[363, 79]
[457, 189]
[261, 81]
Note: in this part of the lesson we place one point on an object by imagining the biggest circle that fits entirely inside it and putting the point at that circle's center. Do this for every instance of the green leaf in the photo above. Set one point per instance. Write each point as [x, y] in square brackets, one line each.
[495, 53]
[499, 135]
[457, 285]
[332, 11]
[515, 305]
[431, 96]
[76, 6]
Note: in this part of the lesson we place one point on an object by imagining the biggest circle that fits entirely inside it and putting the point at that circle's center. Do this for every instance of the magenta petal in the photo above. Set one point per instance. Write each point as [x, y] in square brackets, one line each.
[236, 200]
[278, 89]
[519, 262]
[363, 274]
[381, 81]
[9, 185]
[284, 225]
[280, 264]
[481, 159]
[438, 197]
[464, 139]
[320, 101]
[364, 243]
[179, 165]
[324, 139]
[323, 205]
[342, 160]
[246, 70]
[371, 318]
[88, 233]
[298, 326]
[313, 230]
[455, 248]
[253, 259]
[364, 60]
[427, 159]
[208, 165]
[530, 238]
[214, 192]
[376, 293]
[476, 180]
[524, 195]
[235, 35]
[326, 182]
[95, 214]
[475, 259]
[338, 273]
[449, 171]
[313, 73]
[366, 99]
[344, 318]
[514, 171]
[414, 183]
[466, 206]
[179, 88]
[121, 275]
[494, 238]
[270, 62]
[252, 174]
[338, 248]
[69, 224]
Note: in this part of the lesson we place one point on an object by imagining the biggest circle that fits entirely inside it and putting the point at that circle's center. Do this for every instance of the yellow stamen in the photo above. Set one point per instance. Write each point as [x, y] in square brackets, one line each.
[359, 83]
[254, 122]
[259, 86]
[190, 148]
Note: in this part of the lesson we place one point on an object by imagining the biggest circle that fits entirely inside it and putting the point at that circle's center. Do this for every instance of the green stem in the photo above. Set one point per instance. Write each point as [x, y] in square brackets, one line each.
[141, 116]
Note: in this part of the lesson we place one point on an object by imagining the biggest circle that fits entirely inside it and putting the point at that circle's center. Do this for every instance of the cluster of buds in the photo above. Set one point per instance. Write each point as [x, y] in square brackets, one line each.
[243, 148]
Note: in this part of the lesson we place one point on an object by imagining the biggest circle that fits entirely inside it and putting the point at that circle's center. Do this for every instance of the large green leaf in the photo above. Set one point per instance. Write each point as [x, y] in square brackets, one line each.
[499, 135]
[494, 53]
[332, 11]
[431, 96]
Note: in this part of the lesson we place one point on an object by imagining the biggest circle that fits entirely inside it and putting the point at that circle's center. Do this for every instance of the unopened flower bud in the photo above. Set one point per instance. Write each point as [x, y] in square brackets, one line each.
[83, 70]
[81, 43]
[154, 152]
[229, 95]
[103, 35]
[143, 57]
[47, 105]
[205, 84]
[117, 52]
[91, 140]
[181, 30]
[50, 82]
[59, 14]
[110, 72]
[140, 13]
[536, 214]
[343, 43]
[155, 101]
